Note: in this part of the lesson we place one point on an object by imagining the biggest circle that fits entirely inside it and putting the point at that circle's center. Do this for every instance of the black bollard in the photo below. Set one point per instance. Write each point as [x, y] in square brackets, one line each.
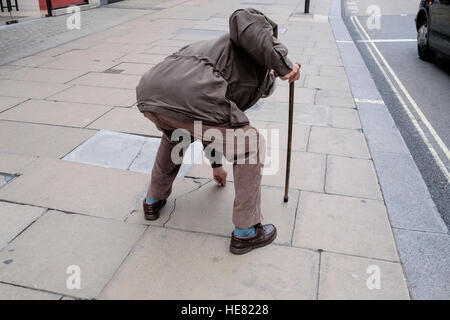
[9, 7]
[49, 8]
[306, 6]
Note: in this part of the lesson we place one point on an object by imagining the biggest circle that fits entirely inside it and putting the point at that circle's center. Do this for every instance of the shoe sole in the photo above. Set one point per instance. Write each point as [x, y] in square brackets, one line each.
[155, 216]
[245, 250]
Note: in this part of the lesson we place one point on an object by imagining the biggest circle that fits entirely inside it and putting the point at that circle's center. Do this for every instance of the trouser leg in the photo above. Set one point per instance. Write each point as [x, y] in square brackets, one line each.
[164, 170]
[247, 166]
[247, 159]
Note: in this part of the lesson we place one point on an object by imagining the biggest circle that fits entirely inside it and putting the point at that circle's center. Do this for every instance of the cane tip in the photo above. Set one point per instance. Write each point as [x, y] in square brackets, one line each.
[285, 199]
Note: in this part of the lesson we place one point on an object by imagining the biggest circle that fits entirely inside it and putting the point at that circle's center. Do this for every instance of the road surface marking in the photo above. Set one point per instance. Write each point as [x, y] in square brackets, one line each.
[369, 101]
[387, 40]
[410, 98]
[427, 142]
[377, 40]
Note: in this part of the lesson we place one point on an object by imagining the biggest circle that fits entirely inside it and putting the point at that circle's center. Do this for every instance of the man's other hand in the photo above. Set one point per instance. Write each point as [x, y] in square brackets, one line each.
[220, 176]
[293, 75]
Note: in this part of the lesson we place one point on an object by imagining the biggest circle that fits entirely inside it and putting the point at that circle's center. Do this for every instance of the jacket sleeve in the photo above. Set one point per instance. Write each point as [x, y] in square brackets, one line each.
[252, 31]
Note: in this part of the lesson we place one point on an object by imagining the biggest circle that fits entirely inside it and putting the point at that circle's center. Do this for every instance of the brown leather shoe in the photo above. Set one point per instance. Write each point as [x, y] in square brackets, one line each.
[265, 234]
[151, 210]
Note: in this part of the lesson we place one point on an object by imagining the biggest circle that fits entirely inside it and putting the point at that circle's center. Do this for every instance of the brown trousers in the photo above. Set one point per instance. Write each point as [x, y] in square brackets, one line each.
[247, 164]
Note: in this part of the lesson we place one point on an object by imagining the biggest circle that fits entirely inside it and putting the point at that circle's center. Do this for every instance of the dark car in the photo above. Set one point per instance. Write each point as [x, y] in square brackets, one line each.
[433, 28]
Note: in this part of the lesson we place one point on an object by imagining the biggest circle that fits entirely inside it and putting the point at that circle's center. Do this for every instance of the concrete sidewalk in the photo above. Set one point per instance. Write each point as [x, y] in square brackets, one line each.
[70, 131]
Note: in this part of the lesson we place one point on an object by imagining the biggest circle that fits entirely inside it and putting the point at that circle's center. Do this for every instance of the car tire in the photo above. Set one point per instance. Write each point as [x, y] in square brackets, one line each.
[425, 53]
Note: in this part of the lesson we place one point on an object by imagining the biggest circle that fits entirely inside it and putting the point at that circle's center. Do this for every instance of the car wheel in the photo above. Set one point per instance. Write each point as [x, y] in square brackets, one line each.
[425, 53]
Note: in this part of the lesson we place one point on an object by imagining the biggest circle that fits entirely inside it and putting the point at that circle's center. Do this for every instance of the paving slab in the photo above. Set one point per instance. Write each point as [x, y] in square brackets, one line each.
[32, 61]
[6, 69]
[110, 80]
[344, 118]
[29, 89]
[53, 52]
[192, 213]
[10, 292]
[171, 42]
[37, 35]
[131, 68]
[285, 84]
[326, 83]
[277, 136]
[81, 44]
[320, 52]
[97, 95]
[426, 260]
[335, 98]
[9, 102]
[278, 111]
[298, 46]
[83, 65]
[91, 54]
[40, 140]
[301, 95]
[307, 171]
[42, 254]
[325, 44]
[43, 75]
[327, 61]
[144, 161]
[132, 39]
[146, 158]
[343, 142]
[143, 58]
[118, 47]
[14, 218]
[352, 177]
[345, 278]
[55, 113]
[194, 34]
[127, 120]
[108, 149]
[344, 225]
[181, 186]
[309, 69]
[214, 273]
[14, 163]
[204, 170]
[79, 188]
[331, 71]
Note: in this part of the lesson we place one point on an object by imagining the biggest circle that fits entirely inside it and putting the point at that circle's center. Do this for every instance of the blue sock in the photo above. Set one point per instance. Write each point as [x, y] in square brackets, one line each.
[244, 233]
[150, 200]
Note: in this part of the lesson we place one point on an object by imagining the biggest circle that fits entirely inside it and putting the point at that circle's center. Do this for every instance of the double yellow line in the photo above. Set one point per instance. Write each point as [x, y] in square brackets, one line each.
[416, 108]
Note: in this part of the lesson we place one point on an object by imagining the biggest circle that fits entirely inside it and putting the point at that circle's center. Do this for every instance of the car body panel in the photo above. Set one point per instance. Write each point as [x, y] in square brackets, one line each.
[438, 16]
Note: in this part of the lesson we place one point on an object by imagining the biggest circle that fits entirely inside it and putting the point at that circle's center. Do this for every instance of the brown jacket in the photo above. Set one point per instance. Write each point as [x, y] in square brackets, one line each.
[217, 80]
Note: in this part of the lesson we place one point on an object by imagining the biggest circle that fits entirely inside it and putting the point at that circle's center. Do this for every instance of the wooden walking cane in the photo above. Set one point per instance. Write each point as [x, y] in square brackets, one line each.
[289, 142]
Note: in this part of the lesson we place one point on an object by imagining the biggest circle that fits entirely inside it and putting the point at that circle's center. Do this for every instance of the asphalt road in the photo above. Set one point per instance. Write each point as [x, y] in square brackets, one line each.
[410, 87]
